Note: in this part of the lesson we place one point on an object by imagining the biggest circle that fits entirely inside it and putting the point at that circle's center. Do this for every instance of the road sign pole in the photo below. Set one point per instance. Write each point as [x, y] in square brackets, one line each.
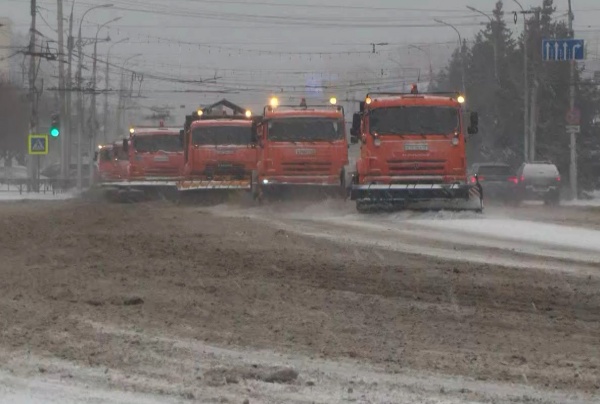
[573, 165]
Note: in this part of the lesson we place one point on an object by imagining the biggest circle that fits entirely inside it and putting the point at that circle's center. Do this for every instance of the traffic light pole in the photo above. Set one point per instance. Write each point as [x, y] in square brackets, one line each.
[573, 165]
[33, 119]
[64, 141]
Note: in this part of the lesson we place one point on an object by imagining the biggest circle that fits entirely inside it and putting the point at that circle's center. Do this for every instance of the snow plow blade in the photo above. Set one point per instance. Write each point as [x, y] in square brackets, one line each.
[141, 184]
[377, 197]
[210, 185]
[140, 190]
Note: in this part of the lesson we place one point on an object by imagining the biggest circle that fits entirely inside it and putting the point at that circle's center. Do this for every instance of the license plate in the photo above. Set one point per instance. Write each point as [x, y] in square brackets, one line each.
[161, 158]
[416, 146]
[225, 151]
[305, 152]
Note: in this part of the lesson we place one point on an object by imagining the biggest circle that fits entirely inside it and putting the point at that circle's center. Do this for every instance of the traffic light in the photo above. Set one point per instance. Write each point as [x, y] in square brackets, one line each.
[55, 126]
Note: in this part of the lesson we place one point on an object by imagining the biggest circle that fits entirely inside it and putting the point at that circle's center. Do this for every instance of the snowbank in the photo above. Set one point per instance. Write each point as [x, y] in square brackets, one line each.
[521, 230]
[14, 195]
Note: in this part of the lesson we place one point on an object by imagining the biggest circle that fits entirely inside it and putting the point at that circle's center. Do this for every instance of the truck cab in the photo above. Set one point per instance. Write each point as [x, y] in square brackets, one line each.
[112, 163]
[219, 151]
[412, 151]
[300, 146]
[155, 155]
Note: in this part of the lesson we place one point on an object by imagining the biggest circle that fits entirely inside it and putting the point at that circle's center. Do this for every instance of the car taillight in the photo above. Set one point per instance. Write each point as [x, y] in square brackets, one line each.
[522, 178]
[558, 178]
[514, 180]
[473, 180]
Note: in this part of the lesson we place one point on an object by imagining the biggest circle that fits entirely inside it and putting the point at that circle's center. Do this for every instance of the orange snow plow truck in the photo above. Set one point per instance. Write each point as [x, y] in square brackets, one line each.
[219, 152]
[300, 148]
[153, 158]
[412, 153]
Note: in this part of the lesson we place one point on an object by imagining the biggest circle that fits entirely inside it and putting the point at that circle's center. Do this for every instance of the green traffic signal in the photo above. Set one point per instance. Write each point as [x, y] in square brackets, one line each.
[55, 125]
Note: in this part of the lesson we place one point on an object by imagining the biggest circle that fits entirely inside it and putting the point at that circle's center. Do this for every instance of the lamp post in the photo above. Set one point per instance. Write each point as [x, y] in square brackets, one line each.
[428, 53]
[462, 54]
[107, 87]
[525, 87]
[494, 41]
[93, 125]
[119, 107]
[80, 96]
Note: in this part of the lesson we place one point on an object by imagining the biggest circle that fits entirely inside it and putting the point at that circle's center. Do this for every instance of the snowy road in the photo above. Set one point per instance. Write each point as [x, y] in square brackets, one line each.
[491, 238]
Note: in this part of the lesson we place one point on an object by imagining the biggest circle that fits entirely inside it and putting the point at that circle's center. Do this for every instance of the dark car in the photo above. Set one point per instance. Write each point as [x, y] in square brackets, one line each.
[498, 180]
[538, 181]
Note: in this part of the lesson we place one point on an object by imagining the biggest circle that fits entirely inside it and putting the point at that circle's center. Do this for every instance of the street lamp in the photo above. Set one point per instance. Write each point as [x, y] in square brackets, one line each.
[80, 95]
[107, 87]
[494, 41]
[121, 91]
[428, 53]
[462, 54]
[93, 120]
[525, 87]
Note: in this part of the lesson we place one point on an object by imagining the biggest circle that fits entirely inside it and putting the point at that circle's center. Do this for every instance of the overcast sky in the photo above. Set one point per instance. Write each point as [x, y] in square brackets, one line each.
[278, 46]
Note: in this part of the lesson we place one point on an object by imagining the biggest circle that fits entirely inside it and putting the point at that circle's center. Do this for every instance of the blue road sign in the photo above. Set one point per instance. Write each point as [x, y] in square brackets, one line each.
[562, 49]
[38, 144]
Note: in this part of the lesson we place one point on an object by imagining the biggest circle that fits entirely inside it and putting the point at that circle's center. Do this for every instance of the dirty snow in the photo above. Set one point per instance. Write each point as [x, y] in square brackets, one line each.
[14, 195]
[594, 202]
[521, 230]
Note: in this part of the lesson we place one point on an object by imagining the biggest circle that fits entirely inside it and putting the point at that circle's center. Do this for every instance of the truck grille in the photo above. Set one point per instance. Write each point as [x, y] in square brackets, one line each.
[161, 171]
[408, 167]
[226, 169]
[306, 168]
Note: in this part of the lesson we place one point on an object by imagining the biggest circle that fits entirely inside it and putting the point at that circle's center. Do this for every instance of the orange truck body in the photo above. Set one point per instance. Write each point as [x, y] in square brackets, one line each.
[113, 163]
[302, 146]
[219, 153]
[413, 152]
[155, 156]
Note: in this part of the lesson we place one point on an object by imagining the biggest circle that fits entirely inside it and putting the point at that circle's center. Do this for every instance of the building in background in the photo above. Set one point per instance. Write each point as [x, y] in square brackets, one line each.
[5, 48]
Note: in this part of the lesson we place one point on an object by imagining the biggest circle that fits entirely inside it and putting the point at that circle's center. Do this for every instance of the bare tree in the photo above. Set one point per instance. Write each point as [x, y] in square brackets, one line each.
[14, 118]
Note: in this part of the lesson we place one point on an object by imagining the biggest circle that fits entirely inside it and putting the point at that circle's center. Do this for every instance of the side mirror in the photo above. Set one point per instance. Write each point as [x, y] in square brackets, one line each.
[353, 136]
[126, 145]
[474, 124]
[95, 156]
[181, 137]
[254, 133]
[356, 118]
[361, 106]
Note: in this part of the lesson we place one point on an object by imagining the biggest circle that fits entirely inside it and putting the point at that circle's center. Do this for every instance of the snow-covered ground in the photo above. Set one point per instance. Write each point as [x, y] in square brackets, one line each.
[594, 202]
[521, 231]
[11, 193]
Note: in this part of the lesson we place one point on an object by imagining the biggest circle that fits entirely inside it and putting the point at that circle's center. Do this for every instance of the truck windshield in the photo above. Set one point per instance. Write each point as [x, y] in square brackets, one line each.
[418, 120]
[305, 129]
[222, 135]
[105, 155]
[154, 143]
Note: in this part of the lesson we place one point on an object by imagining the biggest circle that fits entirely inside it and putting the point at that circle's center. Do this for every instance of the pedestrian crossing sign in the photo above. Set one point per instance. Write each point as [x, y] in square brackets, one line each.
[38, 144]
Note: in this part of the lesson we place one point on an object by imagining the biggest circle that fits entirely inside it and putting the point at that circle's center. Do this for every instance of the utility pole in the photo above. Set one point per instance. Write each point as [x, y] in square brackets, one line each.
[80, 112]
[460, 49]
[64, 141]
[93, 119]
[33, 119]
[494, 39]
[67, 130]
[107, 88]
[525, 84]
[573, 167]
[80, 99]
